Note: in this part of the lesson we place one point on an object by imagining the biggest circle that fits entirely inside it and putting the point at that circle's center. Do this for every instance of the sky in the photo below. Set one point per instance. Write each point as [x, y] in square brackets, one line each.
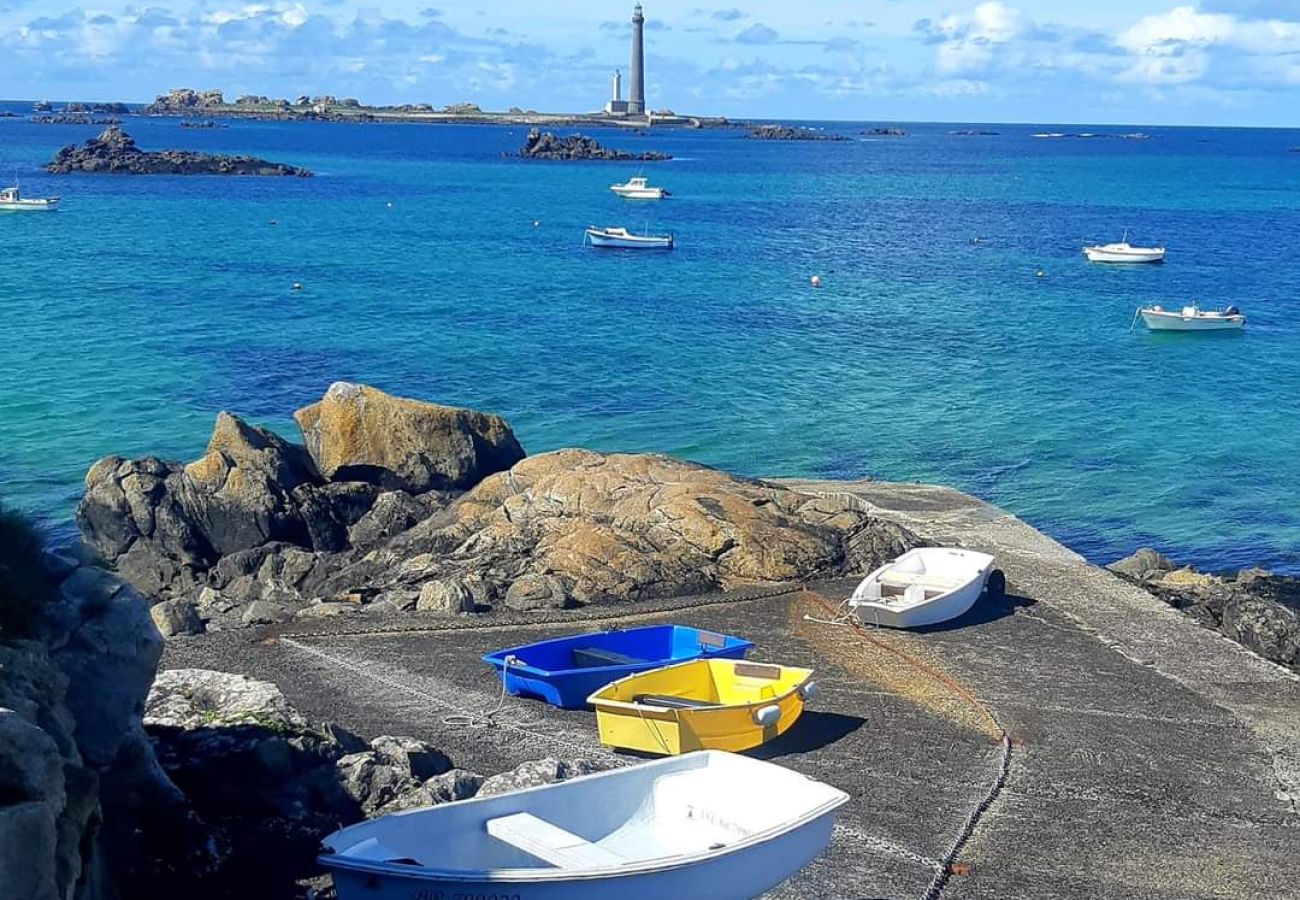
[1158, 62]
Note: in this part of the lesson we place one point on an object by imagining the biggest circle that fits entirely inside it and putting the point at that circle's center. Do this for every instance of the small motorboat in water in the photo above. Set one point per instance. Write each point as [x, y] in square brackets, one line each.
[924, 586]
[1192, 318]
[1123, 252]
[638, 188]
[709, 704]
[11, 199]
[710, 825]
[622, 239]
[565, 671]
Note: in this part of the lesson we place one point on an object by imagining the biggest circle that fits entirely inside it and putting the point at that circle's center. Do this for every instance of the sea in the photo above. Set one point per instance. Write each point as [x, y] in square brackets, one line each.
[958, 337]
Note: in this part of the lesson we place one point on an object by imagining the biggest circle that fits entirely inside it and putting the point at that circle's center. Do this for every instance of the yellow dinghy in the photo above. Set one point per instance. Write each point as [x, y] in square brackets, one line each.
[705, 704]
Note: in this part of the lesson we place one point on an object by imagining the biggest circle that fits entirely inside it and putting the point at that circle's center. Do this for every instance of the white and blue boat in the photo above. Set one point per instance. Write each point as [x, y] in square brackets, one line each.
[708, 824]
[566, 671]
[622, 239]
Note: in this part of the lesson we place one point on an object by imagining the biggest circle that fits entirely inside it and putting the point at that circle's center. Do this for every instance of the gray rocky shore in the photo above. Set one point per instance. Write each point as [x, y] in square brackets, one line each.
[325, 604]
[115, 152]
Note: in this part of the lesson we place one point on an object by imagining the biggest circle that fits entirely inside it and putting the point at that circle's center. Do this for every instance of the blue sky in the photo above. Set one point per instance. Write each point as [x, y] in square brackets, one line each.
[1229, 62]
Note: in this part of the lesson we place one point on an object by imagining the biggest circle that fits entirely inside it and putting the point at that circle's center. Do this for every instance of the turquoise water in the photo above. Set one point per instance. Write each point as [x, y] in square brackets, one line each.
[144, 306]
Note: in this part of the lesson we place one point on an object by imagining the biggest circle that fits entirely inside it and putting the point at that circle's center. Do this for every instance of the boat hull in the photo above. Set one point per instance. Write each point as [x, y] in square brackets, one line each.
[938, 606]
[743, 875]
[631, 242]
[1102, 255]
[735, 724]
[1178, 322]
[28, 205]
[640, 193]
[547, 669]
[710, 825]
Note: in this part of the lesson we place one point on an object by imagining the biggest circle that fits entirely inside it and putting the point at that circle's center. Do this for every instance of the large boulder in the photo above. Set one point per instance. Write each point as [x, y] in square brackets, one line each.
[578, 527]
[359, 433]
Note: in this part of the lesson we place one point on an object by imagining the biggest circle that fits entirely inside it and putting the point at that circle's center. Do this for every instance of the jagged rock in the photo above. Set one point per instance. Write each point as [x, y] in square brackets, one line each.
[263, 612]
[1187, 577]
[175, 617]
[536, 773]
[359, 433]
[198, 698]
[330, 510]
[372, 782]
[457, 784]
[115, 152]
[446, 596]
[587, 526]
[1269, 628]
[417, 758]
[532, 591]
[28, 842]
[545, 145]
[392, 513]
[1144, 565]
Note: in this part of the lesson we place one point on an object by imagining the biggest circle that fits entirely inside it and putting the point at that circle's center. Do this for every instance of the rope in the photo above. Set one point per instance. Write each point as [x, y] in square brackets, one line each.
[944, 869]
[483, 720]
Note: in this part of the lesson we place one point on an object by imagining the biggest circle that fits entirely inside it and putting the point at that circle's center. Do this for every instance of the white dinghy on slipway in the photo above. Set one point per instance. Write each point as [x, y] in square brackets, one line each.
[707, 824]
[924, 586]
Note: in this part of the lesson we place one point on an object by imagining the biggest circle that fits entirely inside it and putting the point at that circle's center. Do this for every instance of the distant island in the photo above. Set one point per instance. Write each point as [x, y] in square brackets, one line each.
[789, 133]
[115, 152]
[545, 145]
[885, 132]
[327, 108]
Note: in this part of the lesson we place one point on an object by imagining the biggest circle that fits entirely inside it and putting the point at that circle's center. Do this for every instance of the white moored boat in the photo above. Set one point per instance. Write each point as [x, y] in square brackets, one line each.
[924, 586]
[638, 189]
[11, 199]
[623, 239]
[708, 824]
[1192, 318]
[1123, 252]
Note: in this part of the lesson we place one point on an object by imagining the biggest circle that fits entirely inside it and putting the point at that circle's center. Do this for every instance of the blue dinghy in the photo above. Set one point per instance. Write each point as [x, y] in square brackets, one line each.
[566, 671]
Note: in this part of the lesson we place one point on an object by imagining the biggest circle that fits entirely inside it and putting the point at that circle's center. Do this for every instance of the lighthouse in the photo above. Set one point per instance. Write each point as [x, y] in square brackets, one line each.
[636, 94]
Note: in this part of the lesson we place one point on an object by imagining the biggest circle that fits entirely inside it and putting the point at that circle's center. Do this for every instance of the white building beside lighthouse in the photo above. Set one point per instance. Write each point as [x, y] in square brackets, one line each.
[635, 104]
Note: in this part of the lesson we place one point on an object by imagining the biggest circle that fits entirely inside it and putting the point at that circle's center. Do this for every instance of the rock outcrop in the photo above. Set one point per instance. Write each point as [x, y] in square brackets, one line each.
[266, 785]
[545, 145]
[115, 152]
[358, 433]
[789, 133]
[1252, 607]
[76, 770]
[396, 505]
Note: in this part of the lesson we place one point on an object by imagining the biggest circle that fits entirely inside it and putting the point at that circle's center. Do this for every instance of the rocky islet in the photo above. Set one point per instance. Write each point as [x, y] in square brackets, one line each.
[115, 152]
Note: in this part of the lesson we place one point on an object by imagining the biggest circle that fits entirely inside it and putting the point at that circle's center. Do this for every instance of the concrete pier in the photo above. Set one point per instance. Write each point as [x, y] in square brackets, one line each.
[1150, 757]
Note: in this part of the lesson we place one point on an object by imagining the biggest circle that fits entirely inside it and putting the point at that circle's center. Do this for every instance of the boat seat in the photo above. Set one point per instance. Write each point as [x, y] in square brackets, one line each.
[667, 701]
[907, 579]
[594, 657]
[551, 843]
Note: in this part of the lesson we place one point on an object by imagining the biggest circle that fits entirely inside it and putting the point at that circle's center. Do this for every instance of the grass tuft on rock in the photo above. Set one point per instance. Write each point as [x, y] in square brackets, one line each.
[25, 585]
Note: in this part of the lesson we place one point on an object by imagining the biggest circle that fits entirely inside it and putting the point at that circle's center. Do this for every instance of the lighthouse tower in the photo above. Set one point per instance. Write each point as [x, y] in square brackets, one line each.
[636, 93]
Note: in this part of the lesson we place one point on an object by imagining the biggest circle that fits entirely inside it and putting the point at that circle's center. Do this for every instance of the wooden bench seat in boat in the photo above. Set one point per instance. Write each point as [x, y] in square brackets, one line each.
[551, 843]
[594, 657]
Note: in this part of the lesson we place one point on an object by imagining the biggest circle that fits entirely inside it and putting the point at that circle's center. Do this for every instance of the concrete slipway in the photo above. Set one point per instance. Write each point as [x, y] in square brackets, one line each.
[1149, 758]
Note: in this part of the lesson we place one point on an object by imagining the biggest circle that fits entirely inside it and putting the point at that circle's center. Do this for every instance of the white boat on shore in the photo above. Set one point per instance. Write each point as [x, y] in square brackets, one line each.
[1192, 318]
[1122, 251]
[11, 199]
[924, 586]
[622, 239]
[638, 188]
[708, 824]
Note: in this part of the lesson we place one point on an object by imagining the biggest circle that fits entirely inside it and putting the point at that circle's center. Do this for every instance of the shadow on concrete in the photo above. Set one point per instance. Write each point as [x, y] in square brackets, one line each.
[813, 731]
[986, 609]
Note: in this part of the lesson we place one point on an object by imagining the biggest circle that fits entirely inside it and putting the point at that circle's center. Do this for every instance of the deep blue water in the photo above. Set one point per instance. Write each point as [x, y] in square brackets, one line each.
[145, 305]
